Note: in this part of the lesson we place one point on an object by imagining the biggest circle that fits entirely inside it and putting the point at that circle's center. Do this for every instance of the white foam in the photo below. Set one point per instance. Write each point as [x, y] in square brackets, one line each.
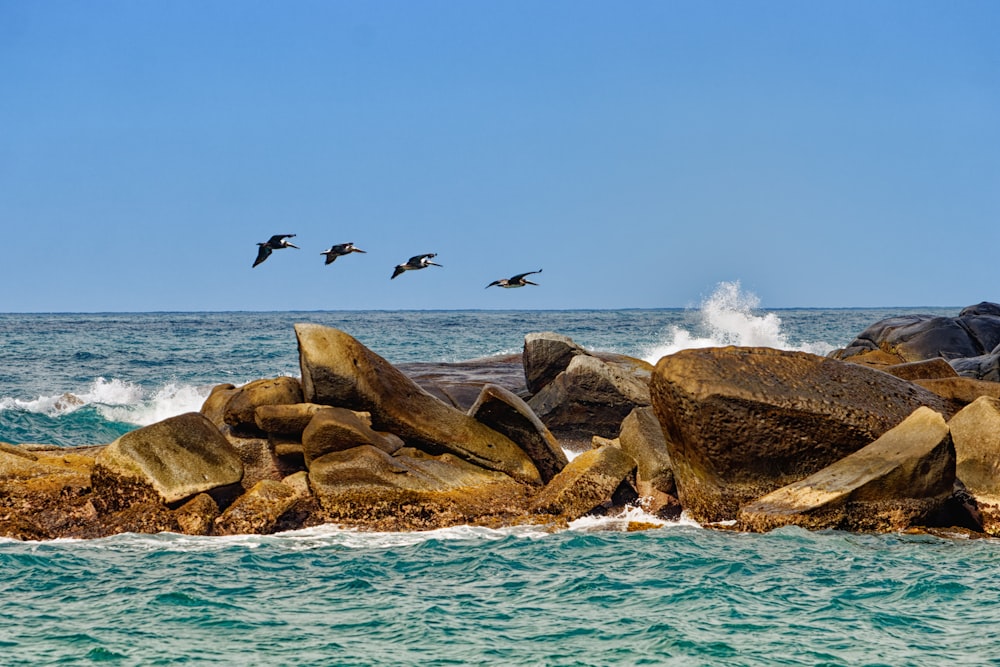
[730, 317]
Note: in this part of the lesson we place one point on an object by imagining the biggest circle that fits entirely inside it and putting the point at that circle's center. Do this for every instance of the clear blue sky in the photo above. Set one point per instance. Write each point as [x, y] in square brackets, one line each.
[822, 153]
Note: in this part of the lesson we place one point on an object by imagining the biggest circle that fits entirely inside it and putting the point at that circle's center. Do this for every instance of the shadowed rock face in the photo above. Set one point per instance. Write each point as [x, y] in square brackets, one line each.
[894, 482]
[587, 481]
[742, 422]
[337, 370]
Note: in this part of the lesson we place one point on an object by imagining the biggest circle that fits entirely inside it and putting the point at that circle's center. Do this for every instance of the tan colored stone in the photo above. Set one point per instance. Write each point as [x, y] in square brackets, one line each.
[927, 369]
[240, 411]
[959, 390]
[197, 516]
[258, 510]
[588, 481]
[337, 429]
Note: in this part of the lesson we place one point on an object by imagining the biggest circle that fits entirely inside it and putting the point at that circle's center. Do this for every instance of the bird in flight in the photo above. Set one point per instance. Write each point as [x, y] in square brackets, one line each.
[339, 250]
[276, 242]
[514, 281]
[414, 263]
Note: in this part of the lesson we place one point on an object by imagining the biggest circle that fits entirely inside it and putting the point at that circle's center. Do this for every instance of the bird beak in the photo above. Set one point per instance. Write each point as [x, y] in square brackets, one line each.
[293, 246]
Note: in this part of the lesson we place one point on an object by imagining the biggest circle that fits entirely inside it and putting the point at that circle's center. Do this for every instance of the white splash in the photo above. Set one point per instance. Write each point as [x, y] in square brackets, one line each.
[730, 316]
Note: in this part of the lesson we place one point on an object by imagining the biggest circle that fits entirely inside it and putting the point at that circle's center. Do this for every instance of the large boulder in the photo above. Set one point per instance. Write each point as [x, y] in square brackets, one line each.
[165, 462]
[258, 510]
[741, 422]
[546, 355]
[458, 383]
[286, 420]
[960, 390]
[412, 490]
[925, 369]
[587, 482]
[984, 367]
[898, 481]
[641, 437]
[508, 414]
[337, 429]
[591, 397]
[975, 431]
[240, 411]
[337, 370]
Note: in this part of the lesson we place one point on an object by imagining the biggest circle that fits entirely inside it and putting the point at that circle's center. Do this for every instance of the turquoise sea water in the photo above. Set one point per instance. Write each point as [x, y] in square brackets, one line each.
[590, 595]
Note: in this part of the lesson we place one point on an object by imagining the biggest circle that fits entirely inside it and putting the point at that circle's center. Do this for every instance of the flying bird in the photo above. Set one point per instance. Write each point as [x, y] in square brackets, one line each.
[514, 281]
[276, 242]
[339, 250]
[414, 263]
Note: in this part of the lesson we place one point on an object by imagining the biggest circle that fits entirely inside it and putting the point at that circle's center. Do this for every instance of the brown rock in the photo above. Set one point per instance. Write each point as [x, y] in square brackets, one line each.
[240, 411]
[588, 481]
[892, 484]
[742, 422]
[337, 429]
[975, 431]
[214, 406]
[338, 370]
[508, 414]
[926, 369]
[961, 391]
[289, 420]
[641, 437]
[258, 510]
[546, 355]
[197, 516]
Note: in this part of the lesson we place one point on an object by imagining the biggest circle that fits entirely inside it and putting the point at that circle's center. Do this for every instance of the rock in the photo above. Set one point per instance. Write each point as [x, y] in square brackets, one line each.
[257, 457]
[412, 490]
[874, 358]
[741, 422]
[214, 406]
[258, 510]
[459, 383]
[546, 355]
[508, 414]
[240, 411]
[890, 485]
[587, 482]
[926, 369]
[960, 391]
[981, 308]
[641, 437]
[337, 429]
[983, 367]
[288, 420]
[338, 370]
[165, 462]
[197, 516]
[975, 431]
[590, 397]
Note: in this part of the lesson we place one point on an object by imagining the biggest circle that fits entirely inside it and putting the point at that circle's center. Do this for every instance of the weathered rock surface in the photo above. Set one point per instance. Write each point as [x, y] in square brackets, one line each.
[892, 484]
[337, 370]
[975, 431]
[927, 369]
[412, 490]
[546, 355]
[742, 422]
[458, 383]
[984, 367]
[591, 397]
[258, 510]
[508, 414]
[214, 406]
[287, 420]
[240, 411]
[588, 481]
[197, 516]
[165, 462]
[337, 429]
[641, 438]
[960, 391]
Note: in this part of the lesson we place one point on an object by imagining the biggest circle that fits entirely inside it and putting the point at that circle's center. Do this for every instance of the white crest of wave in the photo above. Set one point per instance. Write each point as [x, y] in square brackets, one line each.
[730, 316]
[167, 401]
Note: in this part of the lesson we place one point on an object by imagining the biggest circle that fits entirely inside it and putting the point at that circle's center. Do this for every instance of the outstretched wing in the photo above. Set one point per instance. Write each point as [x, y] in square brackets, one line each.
[262, 253]
[276, 239]
[520, 276]
[399, 269]
[495, 282]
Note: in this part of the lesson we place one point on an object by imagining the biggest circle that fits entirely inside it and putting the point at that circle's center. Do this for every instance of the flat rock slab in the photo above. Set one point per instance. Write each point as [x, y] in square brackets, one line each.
[888, 485]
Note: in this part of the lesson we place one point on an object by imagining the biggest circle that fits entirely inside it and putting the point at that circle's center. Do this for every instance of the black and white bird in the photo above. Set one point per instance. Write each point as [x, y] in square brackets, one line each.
[414, 263]
[276, 242]
[514, 281]
[339, 250]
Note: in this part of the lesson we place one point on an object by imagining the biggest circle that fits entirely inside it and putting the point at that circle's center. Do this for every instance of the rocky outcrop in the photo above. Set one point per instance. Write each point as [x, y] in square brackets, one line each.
[742, 422]
[960, 391]
[546, 355]
[258, 510]
[166, 462]
[337, 370]
[587, 482]
[894, 483]
[976, 434]
[926, 369]
[641, 438]
[240, 411]
[337, 429]
[287, 420]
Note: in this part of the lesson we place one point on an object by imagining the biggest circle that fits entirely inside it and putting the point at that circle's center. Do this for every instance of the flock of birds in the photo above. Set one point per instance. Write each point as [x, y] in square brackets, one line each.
[279, 241]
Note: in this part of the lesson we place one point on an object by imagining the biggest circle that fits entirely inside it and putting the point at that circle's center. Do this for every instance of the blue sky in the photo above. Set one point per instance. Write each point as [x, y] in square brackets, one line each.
[822, 153]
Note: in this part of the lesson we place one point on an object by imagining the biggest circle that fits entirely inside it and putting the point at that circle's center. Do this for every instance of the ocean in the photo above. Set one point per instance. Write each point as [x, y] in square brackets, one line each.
[592, 594]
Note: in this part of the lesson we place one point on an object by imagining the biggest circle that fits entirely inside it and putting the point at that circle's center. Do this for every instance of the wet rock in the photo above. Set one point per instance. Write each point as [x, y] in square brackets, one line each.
[337, 429]
[508, 414]
[258, 510]
[240, 411]
[165, 462]
[337, 370]
[975, 431]
[741, 422]
[587, 482]
[197, 516]
[892, 484]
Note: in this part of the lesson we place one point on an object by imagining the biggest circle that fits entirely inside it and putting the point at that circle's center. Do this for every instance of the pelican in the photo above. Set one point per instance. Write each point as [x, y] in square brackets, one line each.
[340, 250]
[414, 263]
[276, 242]
[514, 281]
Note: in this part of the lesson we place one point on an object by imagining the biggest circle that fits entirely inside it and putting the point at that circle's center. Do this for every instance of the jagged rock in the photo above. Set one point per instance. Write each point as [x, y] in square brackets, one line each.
[927, 369]
[412, 490]
[960, 391]
[337, 429]
[976, 331]
[165, 462]
[258, 510]
[289, 420]
[508, 414]
[587, 482]
[338, 370]
[641, 437]
[240, 411]
[741, 422]
[975, 431]
[197, 516]
[591, 397]
[892, 484]
[214, 406]
[546, 355]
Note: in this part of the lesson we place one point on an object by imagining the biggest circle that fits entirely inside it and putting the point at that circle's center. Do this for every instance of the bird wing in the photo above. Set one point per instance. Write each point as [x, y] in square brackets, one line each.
[495, 282]
[418, 259]
[330, 256]
[276, 239]
[262, 253]
[399, 269]
[518, 277]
